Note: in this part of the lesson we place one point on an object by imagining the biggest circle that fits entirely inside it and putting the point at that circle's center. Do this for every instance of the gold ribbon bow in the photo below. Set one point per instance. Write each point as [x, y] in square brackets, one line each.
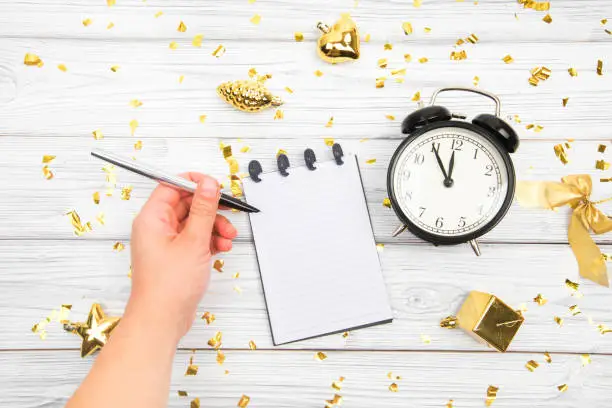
[575, 191]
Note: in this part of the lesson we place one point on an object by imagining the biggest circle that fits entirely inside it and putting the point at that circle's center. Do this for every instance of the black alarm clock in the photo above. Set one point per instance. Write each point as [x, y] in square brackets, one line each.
[451, 181]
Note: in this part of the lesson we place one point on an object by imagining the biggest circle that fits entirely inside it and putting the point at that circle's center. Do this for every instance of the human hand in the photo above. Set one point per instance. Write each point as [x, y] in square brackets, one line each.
[173, 240]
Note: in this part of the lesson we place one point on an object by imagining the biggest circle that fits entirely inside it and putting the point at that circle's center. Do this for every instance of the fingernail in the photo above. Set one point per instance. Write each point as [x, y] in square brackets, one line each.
[209, 188]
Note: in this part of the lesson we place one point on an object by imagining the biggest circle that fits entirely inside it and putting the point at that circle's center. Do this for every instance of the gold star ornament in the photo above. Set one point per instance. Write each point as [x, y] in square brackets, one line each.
[95, 331]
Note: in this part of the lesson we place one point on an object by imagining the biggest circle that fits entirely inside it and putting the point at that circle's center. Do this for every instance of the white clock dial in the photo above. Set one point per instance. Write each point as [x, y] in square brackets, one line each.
[446, 204]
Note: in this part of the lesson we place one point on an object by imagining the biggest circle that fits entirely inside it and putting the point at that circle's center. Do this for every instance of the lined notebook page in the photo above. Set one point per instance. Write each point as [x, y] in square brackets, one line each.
[316, 251]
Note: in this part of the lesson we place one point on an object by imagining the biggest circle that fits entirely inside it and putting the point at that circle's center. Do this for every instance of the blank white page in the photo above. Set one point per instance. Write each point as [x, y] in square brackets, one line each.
[316, 251]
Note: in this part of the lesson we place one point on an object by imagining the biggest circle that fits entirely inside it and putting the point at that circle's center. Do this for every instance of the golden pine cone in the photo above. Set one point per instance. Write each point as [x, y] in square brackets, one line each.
[248, 95]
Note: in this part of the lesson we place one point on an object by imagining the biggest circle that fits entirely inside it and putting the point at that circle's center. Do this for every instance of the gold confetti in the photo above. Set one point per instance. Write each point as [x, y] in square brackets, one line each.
[337, 385]
[547, 357]
[182, 393]
[126, 193]
[491, 395]
[318, 73]
[252, 72]
[380, 82]
[458, 55]
[62, 67]
[256, 19]
[197, 40]
[299, 37]
[562, 387]
[345, 334]
[573, 286]
[96, 197]
[244, 401]
[87, 22]
[425, 339]
[367, 38]
[289, 90]
[215, 341]
[133, 126]
[585, 359]
[220, 357]
[574, 310]
[209, 317]
[390, 117]
[475, 80]
[417, 3]
[192, 369]
[460, 41]
[182, 27]
[138, 145]
[559, 321]
[236, 275]
[547, 19]
[181, 78]
[603, 329]
[407, 57]
[401, 71]
[329, 141]
[602, 165]
[573, 72]
[47, 158]
[604, 21]
[561, 153]
[135, 103]
[388, 46]
[370, 161]
[219, 51]
[416, 97]
[245, 149]
[564, 101]
[159, 14]
[382, 63]
[218, 265]
[449, 404]
[380, 247]
[386, 202]
[195, 403]
[601, 148]
[407, 27]
[393, 387]
[202, 118]
[540, 300]
[330, 123]
[532, 365]
[118, 247]
[599, 67]
[32, 59]
[508, 59]
[540, 73]
[47, 172]
[449, 322]
[115, 68]
[320, 356]
[100, 219]
[252, 345]
[423, 60]
[472, 38]
[279, 115]
[238, 290]
[173, 45]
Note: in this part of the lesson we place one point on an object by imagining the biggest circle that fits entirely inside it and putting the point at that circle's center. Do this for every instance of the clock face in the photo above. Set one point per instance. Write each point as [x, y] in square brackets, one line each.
[451, 182]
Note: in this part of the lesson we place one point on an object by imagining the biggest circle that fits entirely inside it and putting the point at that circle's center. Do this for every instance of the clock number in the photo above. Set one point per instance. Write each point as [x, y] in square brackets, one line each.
[422, 211]
[489, 169]
[439, 222]
[461, 223]
[457, 144]
[409, 195]
[475, 153]
[435, 147]
[419, 158]
[491, 191]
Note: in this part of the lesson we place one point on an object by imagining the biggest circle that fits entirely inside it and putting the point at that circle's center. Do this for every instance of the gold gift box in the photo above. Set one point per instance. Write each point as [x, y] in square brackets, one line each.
[489, 320]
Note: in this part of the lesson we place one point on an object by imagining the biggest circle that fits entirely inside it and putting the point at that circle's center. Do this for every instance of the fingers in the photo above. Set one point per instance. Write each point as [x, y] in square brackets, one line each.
[224, 227]
[220, 244]
[203, 211]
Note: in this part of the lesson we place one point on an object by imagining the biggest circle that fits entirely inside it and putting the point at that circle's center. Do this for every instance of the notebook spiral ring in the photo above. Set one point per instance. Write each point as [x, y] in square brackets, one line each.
[282, 162]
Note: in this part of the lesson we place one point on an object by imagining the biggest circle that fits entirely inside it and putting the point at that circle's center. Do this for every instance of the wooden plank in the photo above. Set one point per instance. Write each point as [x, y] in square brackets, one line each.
[77, 176]
[89, 96]
[425, 284]
[273, 379]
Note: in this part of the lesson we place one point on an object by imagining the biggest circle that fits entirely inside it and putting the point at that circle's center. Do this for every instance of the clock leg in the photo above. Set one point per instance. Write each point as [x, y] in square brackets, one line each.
[399, 230]
[475, 247]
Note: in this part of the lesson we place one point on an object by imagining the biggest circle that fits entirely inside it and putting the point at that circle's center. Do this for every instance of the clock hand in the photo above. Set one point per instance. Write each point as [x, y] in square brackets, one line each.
[439, 161]
[449, 180]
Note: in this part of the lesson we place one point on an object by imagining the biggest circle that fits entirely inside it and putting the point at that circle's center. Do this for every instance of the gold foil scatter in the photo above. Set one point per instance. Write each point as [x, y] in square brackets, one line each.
[449, 322]
[209, 317]
[279, 115]
[416, 97]
[559, 321]
[195, 403]
[114, 68]
[423, 60]
[508, 59]
[573, 72]
[337, 385]
[138, 145]
[540, 300]
[111, 3]
[547, 19]
[460, 41]
[539, 74]
[135, 103]
[202, 118]
[386, 202]
[182, 27]
[382, 63]
[602, 165]
[218, 265]
[110, 25]
[547, 357]
[562, 387]
[407, 27]
[585, 359]
[238, 290]
[181, 78]
[133, 126]
[564, 101]
[320, 356]
[449, 404]
[425, 339]
[220, 357]
[252, 345]
[407, 57]
[345, 334]
[393, 387]
[126, 193]
[159, 14]
[367, 38]
[219, 51]
[532, 365]
[47, 158]
[100, 218]
[299, 37]
[491, 395]
[32, 60]
[62, 67]
[318, 73]
[380, 82]
[561, 153]
[252, 72]
[599, 67]
[192, 369]
[256, 19]
[370, 161]
[417, 3]
[573, 286]
[476, 80]
[380, 247]
[96, 197]
[388, 46]
[87, 22]
[173, 45]
[289, 90]
[197, 40]
[401, 71]
[603, 329]
[215, 341]
[472, 38]
[390, 117]
[574, 310]
[118, 247]
[458, 55]
[330, 123]
[244, 401]
[79, 228]
[245, 149]
[601, 148]
[427, 29]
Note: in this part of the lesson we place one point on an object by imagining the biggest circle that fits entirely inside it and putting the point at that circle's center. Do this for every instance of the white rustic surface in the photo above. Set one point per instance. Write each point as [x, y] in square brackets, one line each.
[46, 111]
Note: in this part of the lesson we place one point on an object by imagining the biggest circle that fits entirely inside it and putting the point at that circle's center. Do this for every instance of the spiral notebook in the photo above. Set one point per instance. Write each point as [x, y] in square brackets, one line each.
[315, 248]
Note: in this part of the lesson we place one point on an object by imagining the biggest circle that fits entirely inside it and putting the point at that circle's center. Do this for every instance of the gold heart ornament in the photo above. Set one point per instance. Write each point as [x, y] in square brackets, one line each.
[339, 43]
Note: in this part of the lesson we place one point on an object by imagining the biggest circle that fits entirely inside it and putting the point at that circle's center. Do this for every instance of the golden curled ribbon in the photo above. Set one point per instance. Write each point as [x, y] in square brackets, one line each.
[574, 191]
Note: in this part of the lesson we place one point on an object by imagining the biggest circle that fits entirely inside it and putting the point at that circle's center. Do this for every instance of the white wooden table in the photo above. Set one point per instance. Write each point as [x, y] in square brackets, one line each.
[47, 111]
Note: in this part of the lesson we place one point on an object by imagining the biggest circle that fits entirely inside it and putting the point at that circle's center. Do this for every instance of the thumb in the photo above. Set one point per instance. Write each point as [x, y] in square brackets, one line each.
[199, 225]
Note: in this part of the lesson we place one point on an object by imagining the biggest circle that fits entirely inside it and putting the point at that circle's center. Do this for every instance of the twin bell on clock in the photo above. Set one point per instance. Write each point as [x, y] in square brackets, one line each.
[451, 181]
